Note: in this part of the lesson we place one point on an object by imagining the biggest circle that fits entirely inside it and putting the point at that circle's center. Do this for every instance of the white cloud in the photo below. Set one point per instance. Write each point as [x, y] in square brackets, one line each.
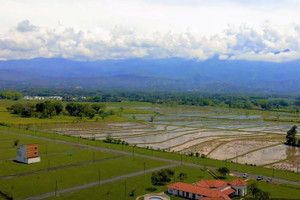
[267, 43]
[93, 29]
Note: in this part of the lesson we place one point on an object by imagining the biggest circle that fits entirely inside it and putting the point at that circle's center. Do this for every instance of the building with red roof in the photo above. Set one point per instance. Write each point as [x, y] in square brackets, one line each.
[209, 189]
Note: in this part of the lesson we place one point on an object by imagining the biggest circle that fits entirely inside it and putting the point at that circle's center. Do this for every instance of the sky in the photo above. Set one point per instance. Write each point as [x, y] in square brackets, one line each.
[261, 30]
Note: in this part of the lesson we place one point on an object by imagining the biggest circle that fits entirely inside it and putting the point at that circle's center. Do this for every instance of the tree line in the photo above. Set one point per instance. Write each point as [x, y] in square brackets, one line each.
[49, 109]
[244, 101]
[10, 95]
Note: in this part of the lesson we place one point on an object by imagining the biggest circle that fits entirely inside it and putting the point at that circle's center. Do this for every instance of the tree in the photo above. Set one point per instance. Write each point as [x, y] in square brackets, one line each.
[253, 189]
[16, 108]
[103, 115]
[49, 109]
[27, 110]
[256, 193]
[76, 109]
[58, 107]
[182, 176]
[71, 108]
[98, 106]
[291, 136]
[10, 95]
[161, 177]
[262, 195]
[89, 112]
[223, 171]
[16, 143]
[151, 119]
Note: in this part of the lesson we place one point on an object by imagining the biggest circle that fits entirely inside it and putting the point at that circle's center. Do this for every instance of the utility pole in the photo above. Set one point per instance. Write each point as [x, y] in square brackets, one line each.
[125, 190]
[174, 175]
[56, 188]
[298, 170]
[132, 150]
[48, 165]
[181, 158]
[99, 176]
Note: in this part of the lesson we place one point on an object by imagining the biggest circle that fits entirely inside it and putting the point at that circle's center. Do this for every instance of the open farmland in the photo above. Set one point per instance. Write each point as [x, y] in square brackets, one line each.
[244, 136]
[74, 157]
[68, 164]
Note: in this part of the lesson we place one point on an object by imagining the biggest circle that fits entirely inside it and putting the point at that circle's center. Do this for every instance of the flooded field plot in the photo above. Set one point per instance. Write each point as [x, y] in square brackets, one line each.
[238, 147]
[203, 148]
[291, 164]
[192, 143]
[269, 155]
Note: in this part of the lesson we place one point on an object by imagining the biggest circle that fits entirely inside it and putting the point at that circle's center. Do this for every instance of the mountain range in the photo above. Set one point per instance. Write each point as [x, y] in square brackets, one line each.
[170, 74]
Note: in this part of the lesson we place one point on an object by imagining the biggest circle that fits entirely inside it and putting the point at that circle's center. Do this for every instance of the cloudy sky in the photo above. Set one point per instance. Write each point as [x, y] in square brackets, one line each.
[265, 30]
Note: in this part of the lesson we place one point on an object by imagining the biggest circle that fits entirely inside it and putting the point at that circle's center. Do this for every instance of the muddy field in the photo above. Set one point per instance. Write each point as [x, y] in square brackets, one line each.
[219, 133]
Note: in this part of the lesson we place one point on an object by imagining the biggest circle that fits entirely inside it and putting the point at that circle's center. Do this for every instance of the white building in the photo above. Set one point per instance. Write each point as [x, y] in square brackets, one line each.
[28, 154]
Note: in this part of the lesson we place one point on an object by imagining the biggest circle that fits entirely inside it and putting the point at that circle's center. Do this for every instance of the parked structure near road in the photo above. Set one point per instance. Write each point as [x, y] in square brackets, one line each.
[28, 154]
[209, 189]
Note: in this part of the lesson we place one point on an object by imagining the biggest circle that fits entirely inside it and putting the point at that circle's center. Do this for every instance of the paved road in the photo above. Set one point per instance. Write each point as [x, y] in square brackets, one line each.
[80, 187]
[174, 163]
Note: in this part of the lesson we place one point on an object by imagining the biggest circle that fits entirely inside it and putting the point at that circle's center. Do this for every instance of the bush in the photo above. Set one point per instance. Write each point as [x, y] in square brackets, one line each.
[223, 171]
[161, 177]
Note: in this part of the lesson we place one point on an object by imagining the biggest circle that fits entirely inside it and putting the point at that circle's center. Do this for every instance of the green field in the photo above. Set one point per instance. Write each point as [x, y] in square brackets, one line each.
[79, 162]
[10, 119]
[35, 184]
[142, 185]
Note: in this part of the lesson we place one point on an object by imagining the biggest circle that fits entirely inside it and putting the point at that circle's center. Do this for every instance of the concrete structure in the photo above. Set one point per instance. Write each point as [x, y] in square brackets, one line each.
[209, 189]
[156, 196]
[28, 154]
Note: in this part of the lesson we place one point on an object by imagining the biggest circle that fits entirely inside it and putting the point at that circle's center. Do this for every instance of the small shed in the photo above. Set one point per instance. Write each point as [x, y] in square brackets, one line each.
[28, 154]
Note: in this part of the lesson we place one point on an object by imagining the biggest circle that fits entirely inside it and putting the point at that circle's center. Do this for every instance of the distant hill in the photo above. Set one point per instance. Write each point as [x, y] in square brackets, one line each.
[213, 75]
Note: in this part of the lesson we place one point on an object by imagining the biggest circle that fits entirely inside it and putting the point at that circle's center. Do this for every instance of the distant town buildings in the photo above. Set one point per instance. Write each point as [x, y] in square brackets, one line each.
[28, 154]
[209, 189]
[57, 98]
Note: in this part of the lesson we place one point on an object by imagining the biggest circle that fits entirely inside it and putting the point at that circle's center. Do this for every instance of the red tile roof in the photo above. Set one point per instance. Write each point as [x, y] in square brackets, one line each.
[212, 184]
[238, 182]
[228, 191]
[207, 188]
[195, 189]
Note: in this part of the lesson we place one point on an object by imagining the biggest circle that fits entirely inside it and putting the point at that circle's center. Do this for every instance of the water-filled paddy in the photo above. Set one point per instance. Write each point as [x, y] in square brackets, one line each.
[220, 133]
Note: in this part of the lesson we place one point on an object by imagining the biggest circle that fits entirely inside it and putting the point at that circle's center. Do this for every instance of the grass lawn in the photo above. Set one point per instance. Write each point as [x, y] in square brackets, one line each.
[279, 191]
[44, 148]
[141, 184]
[10, 167]
[22, 141]
[31, 185]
